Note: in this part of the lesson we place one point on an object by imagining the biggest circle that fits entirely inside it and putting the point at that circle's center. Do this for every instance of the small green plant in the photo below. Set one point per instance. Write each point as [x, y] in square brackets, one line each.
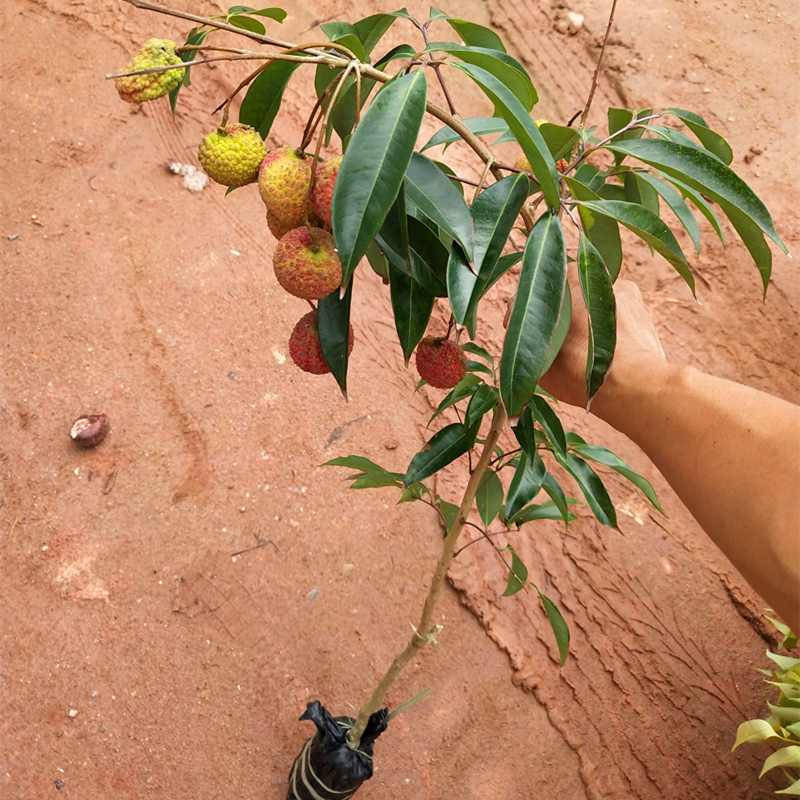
[436, 237]
[783, 723]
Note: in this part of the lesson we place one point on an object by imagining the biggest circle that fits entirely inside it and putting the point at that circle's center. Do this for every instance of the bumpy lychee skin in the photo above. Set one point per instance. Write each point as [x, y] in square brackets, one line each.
[306, 268]
[279, 229]
[305, 349]
[283, 180]
[322, 193]
[232, 154]
[142, 88]
[441, 362]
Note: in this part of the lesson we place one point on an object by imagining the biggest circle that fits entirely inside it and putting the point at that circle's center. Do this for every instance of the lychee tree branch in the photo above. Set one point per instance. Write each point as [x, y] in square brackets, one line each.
[425, 632]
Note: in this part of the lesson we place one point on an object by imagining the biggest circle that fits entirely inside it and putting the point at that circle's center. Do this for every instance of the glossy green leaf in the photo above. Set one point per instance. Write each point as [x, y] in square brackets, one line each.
[484, 283]
[471, 32]
[461, 282]
[561, 331]
[196, 37]
[637, 191]
[546, 510]
[703, 172]
[333, 320]
[678, 205]
[550, 423]
[335, 30]
[484, 400]
[247, 24]
[525, 433]
[540, 292]
[711, 140]
[412, 307]
[592, 487]
[393, 235]
[494, 213]
[517, 575]
[445, 446]
[489, 497]
[355, 462]
[525, 485]
[449, 512]
[501, 65]
[603, 455]
[373, 168]
[476, 366]
[646, 226]
[560, 139]
[753, 240]
[464, 388]
[618, 118]
[377, 260]
[602, 231]
[755, 730]
[787, 757]
[428, 258]
[477, 350]
[671, 135]
[700, 203]
[524, 128]
[377, 480]
[598, 294]
[480, 126]
[558, 498]
[263, 99]
[433, 193]
[559, 626]
[370, 30]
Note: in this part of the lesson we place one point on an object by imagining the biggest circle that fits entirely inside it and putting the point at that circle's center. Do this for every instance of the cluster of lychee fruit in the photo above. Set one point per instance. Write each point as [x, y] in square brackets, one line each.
[298, 199]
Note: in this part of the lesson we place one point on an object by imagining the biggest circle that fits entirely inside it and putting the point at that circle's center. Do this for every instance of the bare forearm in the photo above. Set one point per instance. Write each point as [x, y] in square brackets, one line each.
[732, 454]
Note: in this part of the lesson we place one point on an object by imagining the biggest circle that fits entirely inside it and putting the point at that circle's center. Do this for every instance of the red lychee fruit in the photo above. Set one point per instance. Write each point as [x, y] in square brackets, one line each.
[322, 193]
[441, 362]
[283, 180]
[305, 349]
[307, 267]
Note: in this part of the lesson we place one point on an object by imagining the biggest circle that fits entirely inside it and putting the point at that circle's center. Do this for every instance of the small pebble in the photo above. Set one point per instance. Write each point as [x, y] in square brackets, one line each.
[58, 783]
[313, 594]
[73, 712]
[94, 693]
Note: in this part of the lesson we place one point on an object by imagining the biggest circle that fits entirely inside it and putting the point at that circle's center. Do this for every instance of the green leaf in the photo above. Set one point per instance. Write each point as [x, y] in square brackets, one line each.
[489, 497]
[477, 350]
[753, 240]
[484, 284]
[333, 320]
[377, 480]
[592, 487]
[598, 295]
[562, 328]
[428, 258]
[525, 485]
[703, 172]
[602, 231]
[480, 126]
[484, 400]
[755, 730]
[377, 260]
[278, 14]
[461, 283]
[540, 292]
[471, 32]
[373, 167]
[335, 30]
[618, 118]
[677, 204]
[196, 37]
[793, 789]
[647, 226]
[637, 191]
[433, 193]
[524, 128]
[355, 462]
[700, 203]
[446, 446]
[559, 626]
[247, 24]
[263, 99]
[557, 496]
[603, 455]
[463, 389]
[525, 433]
[476, 366]
[518, 574]
[787, 757]
[370, 30]
[699, 127]
[501, 65]
[547, 510]
[560, 140]
[550, 423]
[412, 307]
[449, 512]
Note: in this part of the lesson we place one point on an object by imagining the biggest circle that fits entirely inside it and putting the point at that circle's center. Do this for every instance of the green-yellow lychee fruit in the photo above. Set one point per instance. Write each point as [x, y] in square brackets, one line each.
[142, 88]
[232, 154]
[307, 268]
[322, 193]
[522, 164]
[283, 180]
[279, 229]
[441, 362]
[305, 349]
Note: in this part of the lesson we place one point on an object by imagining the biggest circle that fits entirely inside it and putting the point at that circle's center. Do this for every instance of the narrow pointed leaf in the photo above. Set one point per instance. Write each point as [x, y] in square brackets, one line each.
[592, 487]
[494, 213]
[560, 500]
[559, 626]
[547, 510]
[560, 139]
[540, 292]
[374, 165]
[700, 203]
[523, 127]
[377, 480]
[355, 462]
[445, 446]
[263, 99]
[480, 126]
[550, 423]
[433, 193]
[247, 24]
[464, 388]
[647, 226]
[485, 283]
[371, 29]
[461, 283]
[703, 172]
[711, 140]
[428, 258]
[477, 350]
[195, 37]
[637, 191]
[754, 730]
[333, 320]
[518, 574]
[489, 497]
[412, 307]
[525, 485]
[598, 294]
[561, 331]
[793, 789]
[525, 432]
[678, 205]
[787, 757]
[484, 400]
[471, 32]
[753, 240]
[449, 512]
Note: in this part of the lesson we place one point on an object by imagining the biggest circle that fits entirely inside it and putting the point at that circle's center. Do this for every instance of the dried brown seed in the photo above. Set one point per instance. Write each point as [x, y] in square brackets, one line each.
[89, 430]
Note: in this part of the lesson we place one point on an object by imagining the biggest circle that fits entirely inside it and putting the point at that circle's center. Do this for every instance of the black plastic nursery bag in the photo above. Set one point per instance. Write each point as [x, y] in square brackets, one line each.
[327, 768]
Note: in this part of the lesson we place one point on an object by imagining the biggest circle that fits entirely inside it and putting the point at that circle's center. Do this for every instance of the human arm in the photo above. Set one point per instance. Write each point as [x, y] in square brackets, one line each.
[730, 452]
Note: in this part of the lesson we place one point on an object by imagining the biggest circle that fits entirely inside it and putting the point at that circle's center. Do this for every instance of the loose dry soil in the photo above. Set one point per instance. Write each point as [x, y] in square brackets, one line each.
[174, 598]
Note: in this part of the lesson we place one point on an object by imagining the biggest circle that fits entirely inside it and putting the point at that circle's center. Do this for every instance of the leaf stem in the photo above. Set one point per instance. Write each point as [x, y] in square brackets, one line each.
[425, 631]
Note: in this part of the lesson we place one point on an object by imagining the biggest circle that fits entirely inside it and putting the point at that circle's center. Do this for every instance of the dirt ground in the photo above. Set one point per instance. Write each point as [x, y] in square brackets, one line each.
[172, 599]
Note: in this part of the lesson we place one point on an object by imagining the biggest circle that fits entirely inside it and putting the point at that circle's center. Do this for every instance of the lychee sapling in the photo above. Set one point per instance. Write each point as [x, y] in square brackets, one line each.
[283, 181]
[307, 265]
[232, 154]
[142, 88]
[441, 362]
[322, 193]
[304, 346]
